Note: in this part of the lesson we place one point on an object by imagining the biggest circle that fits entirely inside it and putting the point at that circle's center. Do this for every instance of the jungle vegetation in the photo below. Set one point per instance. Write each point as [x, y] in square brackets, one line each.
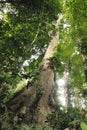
[43, 64]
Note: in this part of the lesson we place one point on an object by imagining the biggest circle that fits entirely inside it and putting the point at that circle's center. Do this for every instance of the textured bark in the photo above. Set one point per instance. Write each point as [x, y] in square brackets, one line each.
[47, 85]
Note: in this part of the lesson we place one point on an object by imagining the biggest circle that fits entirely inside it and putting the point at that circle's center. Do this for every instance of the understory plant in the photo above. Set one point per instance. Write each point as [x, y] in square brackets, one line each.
[71, 118]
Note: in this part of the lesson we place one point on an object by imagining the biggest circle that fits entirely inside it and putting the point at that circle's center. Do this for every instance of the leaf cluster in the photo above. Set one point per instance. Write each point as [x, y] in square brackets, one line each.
[72, 118]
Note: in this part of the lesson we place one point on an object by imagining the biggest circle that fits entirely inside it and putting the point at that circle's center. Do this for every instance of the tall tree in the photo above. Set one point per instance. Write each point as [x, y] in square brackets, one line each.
[26, 32]
[19, 35]
[47, 78]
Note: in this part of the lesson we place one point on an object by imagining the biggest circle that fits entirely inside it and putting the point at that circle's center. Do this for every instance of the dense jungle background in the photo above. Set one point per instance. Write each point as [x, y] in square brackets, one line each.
[43, 65]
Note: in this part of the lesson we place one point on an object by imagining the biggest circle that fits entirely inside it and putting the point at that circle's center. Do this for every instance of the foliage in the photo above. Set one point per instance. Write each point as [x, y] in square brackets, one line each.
[23, 35]
[25, 32]
[59, 120]
[69, 58]
[34, 127]
[62, 119]
[5, 97]
[76, 16]
[83, 126]
[24, 126]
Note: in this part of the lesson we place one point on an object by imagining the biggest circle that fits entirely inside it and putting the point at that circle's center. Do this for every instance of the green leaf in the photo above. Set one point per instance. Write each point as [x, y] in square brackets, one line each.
[83, 126]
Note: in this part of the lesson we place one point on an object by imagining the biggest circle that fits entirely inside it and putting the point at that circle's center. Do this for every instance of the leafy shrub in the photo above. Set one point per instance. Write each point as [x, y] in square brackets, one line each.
[24, 126]
[59, 120]
[62, 119]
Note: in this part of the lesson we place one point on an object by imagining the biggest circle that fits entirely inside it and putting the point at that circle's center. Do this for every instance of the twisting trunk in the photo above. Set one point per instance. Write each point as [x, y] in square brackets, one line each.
[45, 86]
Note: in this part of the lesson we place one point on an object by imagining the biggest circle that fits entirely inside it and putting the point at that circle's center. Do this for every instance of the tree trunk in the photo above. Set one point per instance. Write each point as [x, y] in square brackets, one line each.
[37, 98]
